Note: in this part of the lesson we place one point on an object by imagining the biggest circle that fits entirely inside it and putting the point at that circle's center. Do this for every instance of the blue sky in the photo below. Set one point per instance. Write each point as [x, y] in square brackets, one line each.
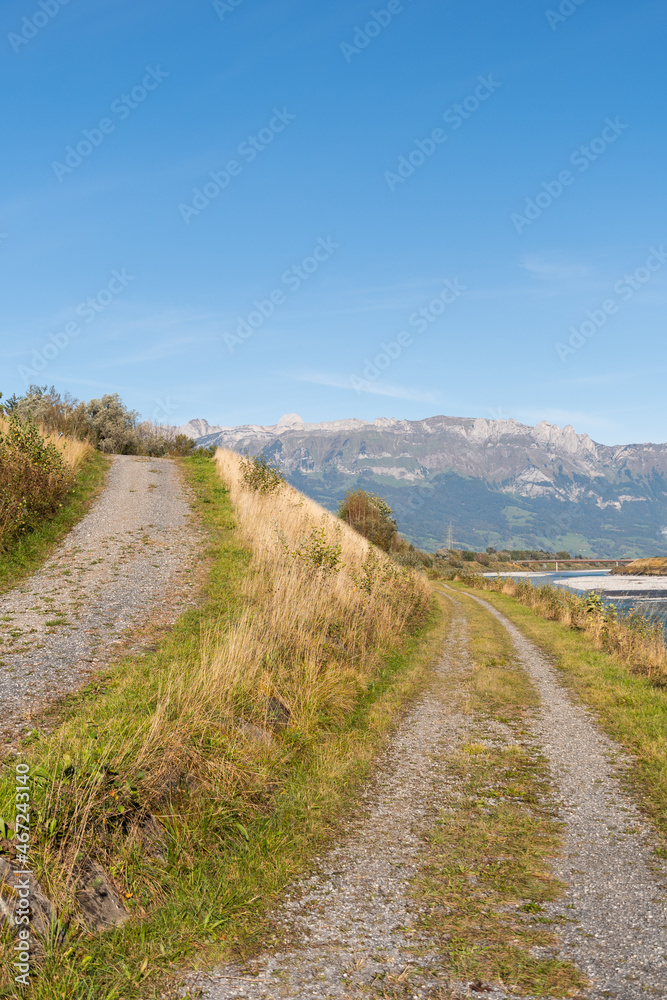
[468, 193]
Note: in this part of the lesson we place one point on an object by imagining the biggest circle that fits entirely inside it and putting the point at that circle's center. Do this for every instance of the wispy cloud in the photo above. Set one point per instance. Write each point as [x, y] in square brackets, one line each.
[606, 378]
[553, 270]
[174, 347]
[132, 322]
[373, 388]
[147, 322]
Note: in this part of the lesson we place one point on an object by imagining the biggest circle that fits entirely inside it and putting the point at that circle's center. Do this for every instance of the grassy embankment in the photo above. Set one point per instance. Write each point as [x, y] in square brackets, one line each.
[486, 879]
[29, 535]
[618, 669]
[204, 774]
[644, 567]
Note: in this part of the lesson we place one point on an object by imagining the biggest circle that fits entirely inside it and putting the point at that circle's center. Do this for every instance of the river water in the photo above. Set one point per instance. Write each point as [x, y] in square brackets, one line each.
[645, 594]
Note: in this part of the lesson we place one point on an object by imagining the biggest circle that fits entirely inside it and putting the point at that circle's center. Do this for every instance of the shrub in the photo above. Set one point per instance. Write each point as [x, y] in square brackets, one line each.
[320, 551]
[181, 445]
[260, 475]
[468, 556]
[205, 452]
[106, 423]
[113, 426]
[34, 478]
[49, 410]
[371, 516]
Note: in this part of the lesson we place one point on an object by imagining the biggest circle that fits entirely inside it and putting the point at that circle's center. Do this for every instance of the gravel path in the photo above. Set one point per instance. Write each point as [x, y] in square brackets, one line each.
[616, 901]
[350, 930]
[129, 560]
[353, 922]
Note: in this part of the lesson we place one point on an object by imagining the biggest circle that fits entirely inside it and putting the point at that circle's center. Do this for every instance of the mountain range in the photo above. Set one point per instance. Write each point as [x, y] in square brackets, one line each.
[497, 483]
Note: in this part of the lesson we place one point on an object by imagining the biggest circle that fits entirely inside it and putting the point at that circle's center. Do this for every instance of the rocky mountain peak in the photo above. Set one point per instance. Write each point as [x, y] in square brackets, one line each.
[289, 420]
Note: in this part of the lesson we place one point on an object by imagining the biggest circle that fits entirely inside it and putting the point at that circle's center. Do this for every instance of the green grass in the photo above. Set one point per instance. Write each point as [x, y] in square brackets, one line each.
[630, 708]
[28, 553]
[486, 876]
[225, 861]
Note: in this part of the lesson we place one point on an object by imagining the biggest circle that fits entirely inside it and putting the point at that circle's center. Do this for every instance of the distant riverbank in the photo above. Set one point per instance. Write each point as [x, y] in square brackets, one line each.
[645, 567]
[645, 594]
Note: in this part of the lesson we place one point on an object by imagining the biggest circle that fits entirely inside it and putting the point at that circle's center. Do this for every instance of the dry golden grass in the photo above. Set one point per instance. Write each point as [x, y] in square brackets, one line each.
[73, 451]
[304, 616]
[644, 567]
[243, 735]
[321, 608]
[304, 643]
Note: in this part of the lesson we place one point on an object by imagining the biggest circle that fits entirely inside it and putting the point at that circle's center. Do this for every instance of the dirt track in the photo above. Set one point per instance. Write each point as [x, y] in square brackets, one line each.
[129, 560]
[353, 925]
[616, 901]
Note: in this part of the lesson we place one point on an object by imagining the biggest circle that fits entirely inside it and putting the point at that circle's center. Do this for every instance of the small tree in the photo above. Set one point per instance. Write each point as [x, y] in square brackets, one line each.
[114, 427]
[261, 475]
[49, 410]
[371, 516]
[181, 445]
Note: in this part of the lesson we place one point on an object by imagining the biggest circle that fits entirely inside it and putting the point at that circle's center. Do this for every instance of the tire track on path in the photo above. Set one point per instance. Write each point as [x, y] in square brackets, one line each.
[616, 898]
[130, 560]
[350, 930]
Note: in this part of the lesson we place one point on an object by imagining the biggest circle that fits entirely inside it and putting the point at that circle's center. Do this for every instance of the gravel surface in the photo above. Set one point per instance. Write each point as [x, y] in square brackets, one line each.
[130, 560]
[350, 930]
[351, 926]
[616, 900]
[631, 585]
